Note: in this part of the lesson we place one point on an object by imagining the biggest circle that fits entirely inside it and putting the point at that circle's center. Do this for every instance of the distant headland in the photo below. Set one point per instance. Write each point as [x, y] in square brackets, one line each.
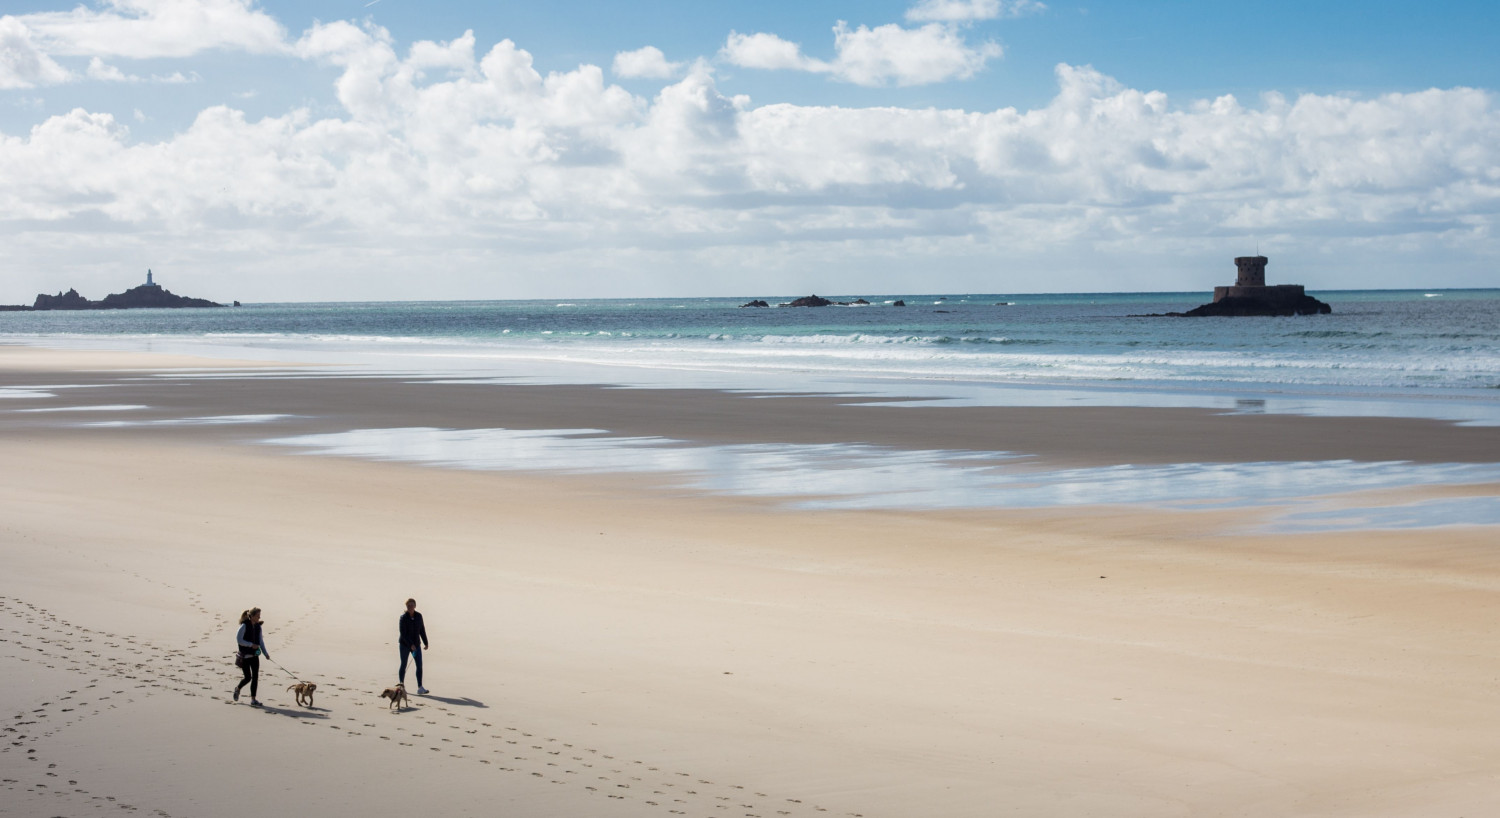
[146, 296]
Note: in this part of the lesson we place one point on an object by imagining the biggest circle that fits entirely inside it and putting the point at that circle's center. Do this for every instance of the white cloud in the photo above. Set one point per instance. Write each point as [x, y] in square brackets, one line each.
[22, 63]
[884, 55]
[98, 70]
[142, 29]
[496, 165]
[956, 11]
[890, 54]
[101, 71]
[132, 29]
[648, 62]
[767, 51]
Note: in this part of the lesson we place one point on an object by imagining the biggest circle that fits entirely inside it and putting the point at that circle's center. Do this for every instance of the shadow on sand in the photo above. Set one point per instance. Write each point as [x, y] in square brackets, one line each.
[464, 702]
[299, 713]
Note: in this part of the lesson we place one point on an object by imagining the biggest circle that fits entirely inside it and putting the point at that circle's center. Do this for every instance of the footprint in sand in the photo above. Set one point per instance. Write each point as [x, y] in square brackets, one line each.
[188, 673]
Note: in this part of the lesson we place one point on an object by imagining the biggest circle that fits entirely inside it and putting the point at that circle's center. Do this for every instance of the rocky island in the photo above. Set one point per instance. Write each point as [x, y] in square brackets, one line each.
[811, 301]
[146, 296]
[1250, 295]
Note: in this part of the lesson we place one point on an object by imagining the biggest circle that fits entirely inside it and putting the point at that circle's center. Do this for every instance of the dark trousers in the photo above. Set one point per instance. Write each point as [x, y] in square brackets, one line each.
[252, 675]
[415, 652]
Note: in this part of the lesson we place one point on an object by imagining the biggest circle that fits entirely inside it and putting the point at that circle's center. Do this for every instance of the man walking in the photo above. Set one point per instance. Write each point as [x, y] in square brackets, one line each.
[413, 641]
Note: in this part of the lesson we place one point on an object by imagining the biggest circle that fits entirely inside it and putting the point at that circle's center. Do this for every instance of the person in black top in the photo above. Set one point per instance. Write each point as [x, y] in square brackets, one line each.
[412, 632]
[251, 647]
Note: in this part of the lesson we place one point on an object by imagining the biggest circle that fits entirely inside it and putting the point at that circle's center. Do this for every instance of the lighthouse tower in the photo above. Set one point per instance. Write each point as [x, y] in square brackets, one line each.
[149, 282]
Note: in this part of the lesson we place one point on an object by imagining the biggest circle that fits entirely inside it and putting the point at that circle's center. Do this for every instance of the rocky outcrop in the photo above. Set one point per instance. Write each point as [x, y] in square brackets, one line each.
[146, 296]
[809, 301]
[69, 300]
[1241, 305]
[149, 296]
[819, 301]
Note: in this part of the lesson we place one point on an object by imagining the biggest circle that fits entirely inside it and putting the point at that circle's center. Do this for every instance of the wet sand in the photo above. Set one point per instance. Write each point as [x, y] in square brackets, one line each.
[606, 645]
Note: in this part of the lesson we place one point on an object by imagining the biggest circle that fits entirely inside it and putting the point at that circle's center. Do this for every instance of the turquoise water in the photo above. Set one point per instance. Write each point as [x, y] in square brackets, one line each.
[1431, 353]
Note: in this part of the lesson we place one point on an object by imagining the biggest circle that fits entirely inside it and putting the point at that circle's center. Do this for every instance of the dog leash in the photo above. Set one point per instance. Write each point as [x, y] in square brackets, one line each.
[294, 677]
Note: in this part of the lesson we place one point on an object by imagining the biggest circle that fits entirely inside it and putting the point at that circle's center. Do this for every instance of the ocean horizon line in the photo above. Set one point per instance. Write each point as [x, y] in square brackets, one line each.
[1206, 293]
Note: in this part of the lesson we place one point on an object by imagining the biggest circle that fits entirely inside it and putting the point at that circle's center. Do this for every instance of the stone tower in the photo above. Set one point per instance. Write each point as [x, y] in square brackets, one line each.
[1250, 296]
[1252, 271]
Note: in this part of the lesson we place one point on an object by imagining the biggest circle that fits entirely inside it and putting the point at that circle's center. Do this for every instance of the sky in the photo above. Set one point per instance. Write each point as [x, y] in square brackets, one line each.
[320, 150]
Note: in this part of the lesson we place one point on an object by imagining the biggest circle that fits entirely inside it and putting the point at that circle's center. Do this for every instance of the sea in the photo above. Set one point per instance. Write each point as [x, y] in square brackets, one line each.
[1438, 351]
[1392, 353]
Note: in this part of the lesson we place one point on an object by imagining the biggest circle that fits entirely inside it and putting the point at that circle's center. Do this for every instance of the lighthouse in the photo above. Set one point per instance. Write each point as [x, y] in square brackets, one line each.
[149, 282]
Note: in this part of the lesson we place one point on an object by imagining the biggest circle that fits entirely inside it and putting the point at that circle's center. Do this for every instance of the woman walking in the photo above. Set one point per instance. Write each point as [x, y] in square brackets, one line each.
[252, 645]
[413, 640]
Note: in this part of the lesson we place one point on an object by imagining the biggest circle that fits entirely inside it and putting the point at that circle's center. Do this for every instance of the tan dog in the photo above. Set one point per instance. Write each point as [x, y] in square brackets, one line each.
[304, 690]
[396, 694]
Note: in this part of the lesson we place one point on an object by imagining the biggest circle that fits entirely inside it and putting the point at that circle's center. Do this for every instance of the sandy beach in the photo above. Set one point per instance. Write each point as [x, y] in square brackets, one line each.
[612, 645]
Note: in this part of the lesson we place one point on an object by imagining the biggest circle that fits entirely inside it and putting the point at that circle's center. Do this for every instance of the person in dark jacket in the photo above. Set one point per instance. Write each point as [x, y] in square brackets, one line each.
[413, 641]
[252, 645]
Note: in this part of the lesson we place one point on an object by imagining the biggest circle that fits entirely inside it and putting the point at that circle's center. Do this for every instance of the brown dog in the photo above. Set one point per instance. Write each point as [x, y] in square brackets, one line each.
[396, 694]
[304, 690]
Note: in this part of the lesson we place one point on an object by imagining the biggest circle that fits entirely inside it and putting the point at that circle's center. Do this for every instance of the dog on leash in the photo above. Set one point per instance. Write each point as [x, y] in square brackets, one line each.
[304, 690]
[397, 695]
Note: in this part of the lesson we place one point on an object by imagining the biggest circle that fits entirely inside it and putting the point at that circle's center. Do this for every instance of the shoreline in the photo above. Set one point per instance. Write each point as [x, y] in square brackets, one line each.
[315, 402]
[610, 636]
